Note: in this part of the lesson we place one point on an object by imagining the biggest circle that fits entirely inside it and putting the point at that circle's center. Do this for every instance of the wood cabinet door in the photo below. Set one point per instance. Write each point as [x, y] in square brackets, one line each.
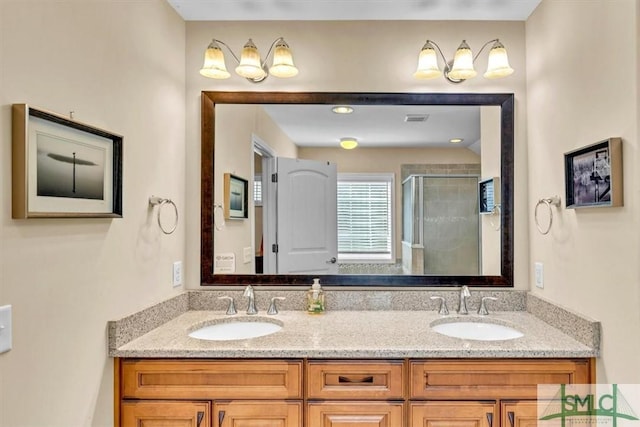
[355, 414]
[522, 413]
[165, 414]
[248, 413]
[453, 414]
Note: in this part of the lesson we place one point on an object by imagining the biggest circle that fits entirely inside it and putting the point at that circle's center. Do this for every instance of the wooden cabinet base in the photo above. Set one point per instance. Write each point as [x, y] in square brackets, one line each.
[337, 393]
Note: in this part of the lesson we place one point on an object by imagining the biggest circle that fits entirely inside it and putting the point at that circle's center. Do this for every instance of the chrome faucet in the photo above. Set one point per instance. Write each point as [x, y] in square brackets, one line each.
[248, 292]
[464, 294]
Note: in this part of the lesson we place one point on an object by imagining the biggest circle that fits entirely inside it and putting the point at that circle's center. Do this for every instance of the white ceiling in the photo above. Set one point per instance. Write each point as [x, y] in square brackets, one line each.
[353, 10]
[378, 125]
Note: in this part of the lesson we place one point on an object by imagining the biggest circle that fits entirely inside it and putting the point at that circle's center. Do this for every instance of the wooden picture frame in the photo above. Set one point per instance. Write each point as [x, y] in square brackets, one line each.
[236, 197]
[593, 175]
[62, 168]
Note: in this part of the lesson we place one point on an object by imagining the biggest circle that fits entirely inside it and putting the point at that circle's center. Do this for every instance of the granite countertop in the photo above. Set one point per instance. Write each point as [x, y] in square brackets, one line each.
[355, 334]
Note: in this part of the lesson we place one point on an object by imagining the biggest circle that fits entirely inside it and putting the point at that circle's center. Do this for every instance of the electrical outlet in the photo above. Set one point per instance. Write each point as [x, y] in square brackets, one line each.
[5, 329]
[539, 273]
[247, 255]
[177, 273]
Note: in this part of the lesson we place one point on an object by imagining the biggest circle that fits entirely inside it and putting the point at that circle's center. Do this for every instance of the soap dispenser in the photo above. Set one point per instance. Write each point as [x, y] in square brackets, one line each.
[315, 298]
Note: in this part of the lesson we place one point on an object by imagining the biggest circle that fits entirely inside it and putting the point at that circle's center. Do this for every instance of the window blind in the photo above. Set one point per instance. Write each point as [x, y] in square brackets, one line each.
[364, 217]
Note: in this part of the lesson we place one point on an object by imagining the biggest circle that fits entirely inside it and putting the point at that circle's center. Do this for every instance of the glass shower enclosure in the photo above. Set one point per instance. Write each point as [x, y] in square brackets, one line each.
[441, 225]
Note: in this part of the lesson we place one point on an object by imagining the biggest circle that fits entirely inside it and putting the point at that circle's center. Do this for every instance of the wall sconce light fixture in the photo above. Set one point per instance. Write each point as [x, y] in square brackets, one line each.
[461, 68]
[348, 143]
[250, 65]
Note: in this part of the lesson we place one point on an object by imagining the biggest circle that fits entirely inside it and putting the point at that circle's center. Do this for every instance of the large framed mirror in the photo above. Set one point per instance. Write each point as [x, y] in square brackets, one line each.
[222, 112]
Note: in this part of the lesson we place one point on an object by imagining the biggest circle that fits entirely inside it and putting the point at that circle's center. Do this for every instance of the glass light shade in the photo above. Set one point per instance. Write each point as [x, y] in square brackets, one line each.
[282, 61]
[342, 109]
[427, 63]
[250, 66]
[498, 64]
[214, 66]
[462, 68]
[348, 143]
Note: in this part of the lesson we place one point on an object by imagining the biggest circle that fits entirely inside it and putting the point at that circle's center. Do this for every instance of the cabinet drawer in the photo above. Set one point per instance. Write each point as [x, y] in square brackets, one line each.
[492, 379]
[355, 379]
[365, 414]
[202, 379]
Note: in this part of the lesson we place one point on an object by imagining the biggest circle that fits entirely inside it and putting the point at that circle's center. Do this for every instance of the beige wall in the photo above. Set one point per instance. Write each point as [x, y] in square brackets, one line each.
[582, 87]
[356, 57]
[388, 160]
[119, 66]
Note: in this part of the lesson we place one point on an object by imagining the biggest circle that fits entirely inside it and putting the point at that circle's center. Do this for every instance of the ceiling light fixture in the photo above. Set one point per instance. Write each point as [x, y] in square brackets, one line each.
[342, 109]
[348, 143]
[461, 68]
[456, 140]
[250, 65]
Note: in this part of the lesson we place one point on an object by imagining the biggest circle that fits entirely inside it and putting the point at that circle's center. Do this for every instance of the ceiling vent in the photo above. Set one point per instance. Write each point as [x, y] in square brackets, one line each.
[411, 118]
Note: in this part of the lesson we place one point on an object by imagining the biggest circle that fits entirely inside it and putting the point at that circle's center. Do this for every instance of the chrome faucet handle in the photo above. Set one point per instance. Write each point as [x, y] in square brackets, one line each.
[248, 292]
[483, 305]
[273, 309]
[231, 309]
[443, 310]
[464, 294]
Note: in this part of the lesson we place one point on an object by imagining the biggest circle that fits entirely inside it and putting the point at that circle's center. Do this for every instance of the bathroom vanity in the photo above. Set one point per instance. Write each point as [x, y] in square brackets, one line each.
[335, 392]
[361, 368]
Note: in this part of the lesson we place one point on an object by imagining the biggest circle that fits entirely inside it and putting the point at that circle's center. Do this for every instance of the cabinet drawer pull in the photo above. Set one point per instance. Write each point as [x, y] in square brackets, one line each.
[511, 417]
[490, 418]
[200, 417]
[220, 418]
[361, 380]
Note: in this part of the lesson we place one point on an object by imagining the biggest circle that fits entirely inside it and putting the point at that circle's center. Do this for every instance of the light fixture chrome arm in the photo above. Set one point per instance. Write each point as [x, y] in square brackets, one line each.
[482, 48]
[228, 48]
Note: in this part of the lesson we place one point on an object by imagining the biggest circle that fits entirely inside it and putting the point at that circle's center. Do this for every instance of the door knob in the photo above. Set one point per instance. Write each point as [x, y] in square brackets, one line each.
[333, 260]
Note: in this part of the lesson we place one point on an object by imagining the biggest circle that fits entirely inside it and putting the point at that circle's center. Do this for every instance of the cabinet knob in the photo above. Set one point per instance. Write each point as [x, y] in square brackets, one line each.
[220, 418]
[200, 417]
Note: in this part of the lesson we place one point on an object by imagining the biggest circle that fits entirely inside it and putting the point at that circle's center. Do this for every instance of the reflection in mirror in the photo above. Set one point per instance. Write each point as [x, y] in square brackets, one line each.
[402, 208]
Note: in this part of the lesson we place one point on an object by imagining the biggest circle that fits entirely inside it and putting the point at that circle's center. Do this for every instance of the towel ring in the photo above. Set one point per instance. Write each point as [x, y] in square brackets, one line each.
[548, 202]
[218, 217]
[496, 211]
[159, 201]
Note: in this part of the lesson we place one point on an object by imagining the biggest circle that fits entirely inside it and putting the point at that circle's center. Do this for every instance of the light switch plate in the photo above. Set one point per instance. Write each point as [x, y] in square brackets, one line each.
[177, 274]
[5, 329]
[539, 273]
[247, 255]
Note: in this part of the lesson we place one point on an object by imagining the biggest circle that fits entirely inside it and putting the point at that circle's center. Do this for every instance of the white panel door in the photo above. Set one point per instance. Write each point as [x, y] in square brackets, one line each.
[307, 217]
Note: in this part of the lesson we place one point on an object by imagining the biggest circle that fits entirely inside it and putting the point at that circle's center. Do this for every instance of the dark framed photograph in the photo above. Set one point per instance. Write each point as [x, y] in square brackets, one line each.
[488, 195]
[236, 197]
[63, 168]
[593, 175]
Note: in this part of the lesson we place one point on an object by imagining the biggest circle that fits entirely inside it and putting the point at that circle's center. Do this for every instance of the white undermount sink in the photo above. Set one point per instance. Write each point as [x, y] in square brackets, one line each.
[237, 329]
[478, 330]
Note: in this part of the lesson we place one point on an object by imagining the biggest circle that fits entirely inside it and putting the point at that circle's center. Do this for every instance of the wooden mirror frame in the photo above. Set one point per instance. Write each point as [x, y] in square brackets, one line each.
[209, 100]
